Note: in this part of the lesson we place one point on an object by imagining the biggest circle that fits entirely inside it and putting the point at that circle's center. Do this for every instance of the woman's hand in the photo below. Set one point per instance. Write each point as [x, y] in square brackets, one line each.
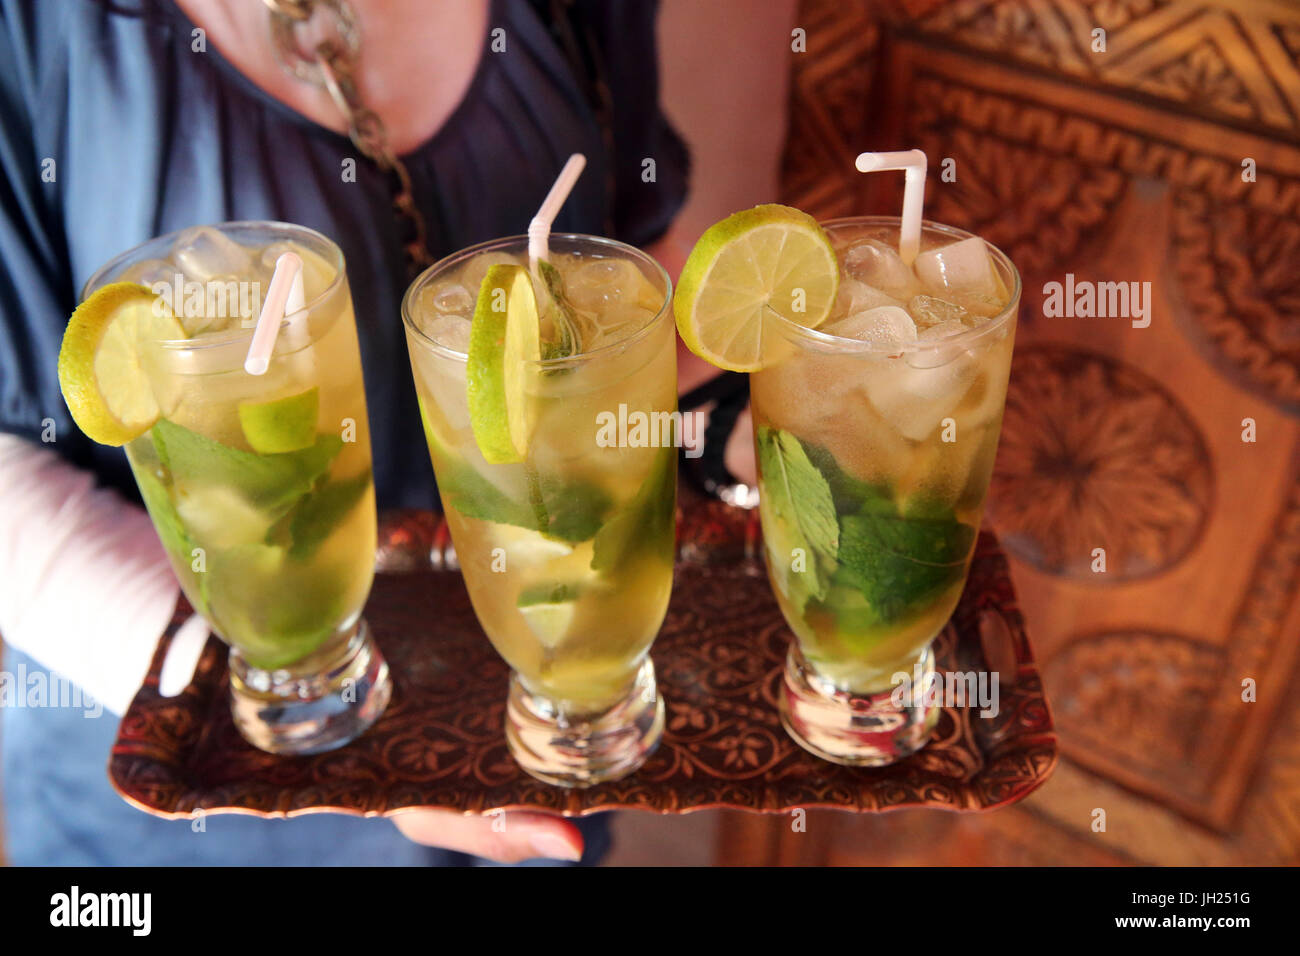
[503, 837]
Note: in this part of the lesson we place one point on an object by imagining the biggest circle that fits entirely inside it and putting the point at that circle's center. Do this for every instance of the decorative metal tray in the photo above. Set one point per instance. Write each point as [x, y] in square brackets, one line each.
[718, 661]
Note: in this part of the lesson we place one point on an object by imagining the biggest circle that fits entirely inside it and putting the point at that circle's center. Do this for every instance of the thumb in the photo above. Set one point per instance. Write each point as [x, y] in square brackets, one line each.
[503, 837]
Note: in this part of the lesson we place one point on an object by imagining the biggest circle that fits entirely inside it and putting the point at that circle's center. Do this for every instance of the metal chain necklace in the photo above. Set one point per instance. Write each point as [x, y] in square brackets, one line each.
[331, 65]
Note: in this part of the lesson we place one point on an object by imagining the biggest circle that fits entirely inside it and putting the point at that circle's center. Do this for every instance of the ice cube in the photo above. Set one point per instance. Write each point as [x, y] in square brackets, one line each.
[443, 376]
[598, 283]
[941, 355]
[443, 299]
[916, 392]
[942, 331]
[886, 327]
[982, 306]
[855, 296]
[984, 401]
[451, 299]
[449, 331]
[474, 271]
[877, 264]
[963, 266]
[819, 397]
[929, 310]
[203, 253]
[614, 323]
[150, 271]
[317, 273]
[214, 305]
[268, 258]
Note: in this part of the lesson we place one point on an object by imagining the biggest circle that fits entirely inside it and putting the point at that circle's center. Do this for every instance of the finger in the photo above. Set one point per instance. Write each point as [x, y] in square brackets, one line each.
[183, 656]
[503, 837]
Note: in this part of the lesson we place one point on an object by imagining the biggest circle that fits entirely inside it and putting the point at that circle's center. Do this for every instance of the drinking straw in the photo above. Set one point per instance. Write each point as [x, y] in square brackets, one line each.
[913, 163]
[539, 230]
[297, 295]
[284, 296]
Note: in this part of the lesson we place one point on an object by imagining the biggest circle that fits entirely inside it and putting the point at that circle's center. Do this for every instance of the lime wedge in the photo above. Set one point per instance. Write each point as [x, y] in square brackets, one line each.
[549, 611]
[282, 424]
[503, 342]
[218, 516]
[769, 257]
[101, 361]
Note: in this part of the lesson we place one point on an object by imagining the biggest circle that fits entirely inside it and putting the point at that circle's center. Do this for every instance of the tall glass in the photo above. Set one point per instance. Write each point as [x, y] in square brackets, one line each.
[874, 462]
[567, 556]
[260, 486]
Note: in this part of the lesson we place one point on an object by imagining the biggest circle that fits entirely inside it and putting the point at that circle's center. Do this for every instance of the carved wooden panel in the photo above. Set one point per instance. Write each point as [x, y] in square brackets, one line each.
[830, 96]
[1235, 61]
[1123, 166]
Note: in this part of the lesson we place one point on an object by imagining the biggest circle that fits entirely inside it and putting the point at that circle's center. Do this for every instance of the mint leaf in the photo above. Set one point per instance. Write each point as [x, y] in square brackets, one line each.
[166, 520]
[798, 515]
[890, 558]
[472, 495]
[272, 482]
[901, 563]
[320, 512]
[172, 532]
[464, 489]
[645, 523]
[850, 494]
[567, 511]
[564, 321]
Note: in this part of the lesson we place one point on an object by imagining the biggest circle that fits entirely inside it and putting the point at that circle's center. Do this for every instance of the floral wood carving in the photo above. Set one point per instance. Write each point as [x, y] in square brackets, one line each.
[1094, 454]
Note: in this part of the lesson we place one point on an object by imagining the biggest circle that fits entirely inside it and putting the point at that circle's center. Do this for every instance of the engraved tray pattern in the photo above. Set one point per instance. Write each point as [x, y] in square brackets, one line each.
[718, 659]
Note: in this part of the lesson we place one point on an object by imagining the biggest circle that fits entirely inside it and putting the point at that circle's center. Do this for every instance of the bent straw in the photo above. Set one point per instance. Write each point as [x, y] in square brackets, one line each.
[283, 296]
[913, 163]
[539, 230]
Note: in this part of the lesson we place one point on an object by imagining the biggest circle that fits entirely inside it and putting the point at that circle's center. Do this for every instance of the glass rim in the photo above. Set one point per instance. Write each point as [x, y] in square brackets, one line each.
[839, 343]
[230, 338]
[425, 341]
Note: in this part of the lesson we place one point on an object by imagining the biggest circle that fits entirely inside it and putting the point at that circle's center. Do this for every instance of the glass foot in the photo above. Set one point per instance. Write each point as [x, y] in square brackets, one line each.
[858, 730]
[320, 703]
[582, 751]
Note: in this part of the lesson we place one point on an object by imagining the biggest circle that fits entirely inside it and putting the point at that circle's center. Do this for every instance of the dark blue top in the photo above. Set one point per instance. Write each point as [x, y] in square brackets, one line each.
[146, 137]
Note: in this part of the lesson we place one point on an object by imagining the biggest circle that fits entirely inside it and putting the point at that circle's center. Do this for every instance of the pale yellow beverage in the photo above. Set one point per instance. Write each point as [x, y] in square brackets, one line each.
[876, 434]
[878, 369]
[902, 438]
[567, 554]
[260, 486]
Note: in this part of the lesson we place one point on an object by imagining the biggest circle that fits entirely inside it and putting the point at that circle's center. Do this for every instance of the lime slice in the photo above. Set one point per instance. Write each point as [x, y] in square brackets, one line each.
[549, 610]
[503, 342]
[282, 424]
[525, 548]
[101, 370]
[218, 516]
[769, 257]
